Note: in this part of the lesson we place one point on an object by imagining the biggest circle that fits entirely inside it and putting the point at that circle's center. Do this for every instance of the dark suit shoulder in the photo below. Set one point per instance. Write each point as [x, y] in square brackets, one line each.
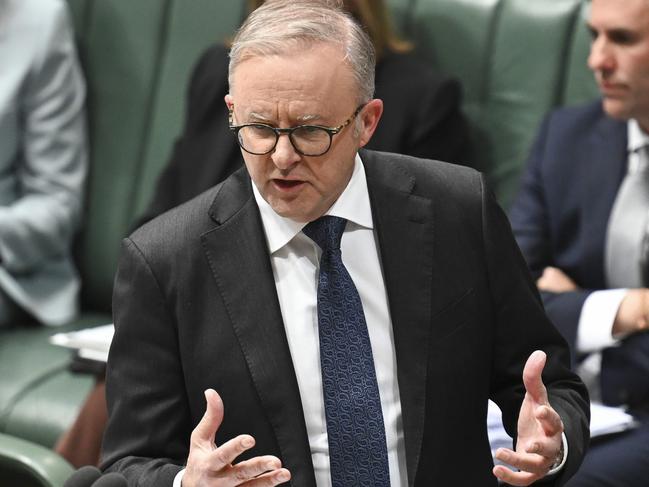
[581, 120]
[424, 177]
[572, 137]
[177, 227]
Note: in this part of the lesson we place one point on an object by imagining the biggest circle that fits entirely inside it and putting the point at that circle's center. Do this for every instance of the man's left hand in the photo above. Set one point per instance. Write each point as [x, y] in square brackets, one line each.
[539, 431]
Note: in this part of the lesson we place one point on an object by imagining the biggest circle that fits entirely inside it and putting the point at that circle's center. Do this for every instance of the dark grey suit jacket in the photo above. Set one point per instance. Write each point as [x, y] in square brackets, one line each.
[195, 306]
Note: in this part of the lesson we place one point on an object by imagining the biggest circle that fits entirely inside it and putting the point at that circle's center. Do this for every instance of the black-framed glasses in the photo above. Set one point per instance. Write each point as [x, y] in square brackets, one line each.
[308, 140]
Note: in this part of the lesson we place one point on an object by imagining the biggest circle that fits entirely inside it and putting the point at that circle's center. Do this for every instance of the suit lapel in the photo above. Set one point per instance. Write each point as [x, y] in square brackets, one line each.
[240, 263]
[405, 234]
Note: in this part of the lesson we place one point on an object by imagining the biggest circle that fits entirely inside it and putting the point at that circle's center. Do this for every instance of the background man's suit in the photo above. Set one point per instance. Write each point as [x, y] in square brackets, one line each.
[196, 307]
[560, 219]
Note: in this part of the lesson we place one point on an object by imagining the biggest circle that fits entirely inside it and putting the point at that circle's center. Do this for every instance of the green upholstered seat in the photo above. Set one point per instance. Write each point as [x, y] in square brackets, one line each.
[517, 59]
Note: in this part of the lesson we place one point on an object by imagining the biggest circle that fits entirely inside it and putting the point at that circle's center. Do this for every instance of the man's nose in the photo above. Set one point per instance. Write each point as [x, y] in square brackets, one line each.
[284, 156]
[601, 57]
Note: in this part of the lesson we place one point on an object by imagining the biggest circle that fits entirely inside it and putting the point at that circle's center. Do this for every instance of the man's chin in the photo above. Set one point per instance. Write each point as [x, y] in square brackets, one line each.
[289, 209]
[616, 108]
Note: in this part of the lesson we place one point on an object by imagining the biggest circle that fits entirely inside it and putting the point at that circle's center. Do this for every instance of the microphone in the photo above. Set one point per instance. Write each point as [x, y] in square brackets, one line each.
[112, 479]
[84, 477]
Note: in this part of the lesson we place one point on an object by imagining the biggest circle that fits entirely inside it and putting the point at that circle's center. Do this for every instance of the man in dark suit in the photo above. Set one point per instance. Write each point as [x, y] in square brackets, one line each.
[582, 233]
[354, 310]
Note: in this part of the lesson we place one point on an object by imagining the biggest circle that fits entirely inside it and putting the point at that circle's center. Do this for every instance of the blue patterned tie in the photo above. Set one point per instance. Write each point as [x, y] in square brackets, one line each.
[357, 450]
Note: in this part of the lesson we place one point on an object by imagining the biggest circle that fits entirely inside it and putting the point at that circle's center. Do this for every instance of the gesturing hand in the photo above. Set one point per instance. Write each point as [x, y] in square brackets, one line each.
[209, 465]
[539, 431]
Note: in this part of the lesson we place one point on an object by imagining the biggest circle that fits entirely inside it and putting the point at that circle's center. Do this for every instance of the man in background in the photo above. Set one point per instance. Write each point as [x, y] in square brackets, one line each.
[582, 221]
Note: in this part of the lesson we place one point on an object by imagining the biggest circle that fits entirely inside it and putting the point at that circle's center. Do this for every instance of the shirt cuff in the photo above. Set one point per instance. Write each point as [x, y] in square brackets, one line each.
[595, 328]
[179, 478]
[558, 465]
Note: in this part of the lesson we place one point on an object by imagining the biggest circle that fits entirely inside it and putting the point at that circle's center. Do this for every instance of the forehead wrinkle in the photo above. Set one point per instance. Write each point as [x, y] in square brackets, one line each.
[253, 115]
[258, 116]
[308, 118]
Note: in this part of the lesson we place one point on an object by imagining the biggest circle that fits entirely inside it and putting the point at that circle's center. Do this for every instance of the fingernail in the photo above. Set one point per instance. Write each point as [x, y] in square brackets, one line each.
[283, 476]
[247, 442]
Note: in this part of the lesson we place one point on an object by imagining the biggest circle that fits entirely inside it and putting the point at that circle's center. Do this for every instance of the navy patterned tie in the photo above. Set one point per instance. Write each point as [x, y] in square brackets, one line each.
[357, 449]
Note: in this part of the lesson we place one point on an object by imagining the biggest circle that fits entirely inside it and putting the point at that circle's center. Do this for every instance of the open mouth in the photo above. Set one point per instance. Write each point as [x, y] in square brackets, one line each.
[286, 184]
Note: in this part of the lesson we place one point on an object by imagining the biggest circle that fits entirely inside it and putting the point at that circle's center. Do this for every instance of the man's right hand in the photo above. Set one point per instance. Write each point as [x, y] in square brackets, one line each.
[209, 465]
[633, 313]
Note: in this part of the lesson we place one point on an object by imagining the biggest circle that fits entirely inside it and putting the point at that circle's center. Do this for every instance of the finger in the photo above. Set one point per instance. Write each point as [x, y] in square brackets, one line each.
[532, 377]
[271, 478]
[549, 420]
[211, 420]
[249, 469]
[525, 462]
[227, 453]
[514, 478]
[544, 447]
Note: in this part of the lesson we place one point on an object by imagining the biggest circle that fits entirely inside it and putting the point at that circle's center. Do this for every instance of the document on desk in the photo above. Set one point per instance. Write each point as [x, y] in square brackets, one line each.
[90, 343]
[604, 420]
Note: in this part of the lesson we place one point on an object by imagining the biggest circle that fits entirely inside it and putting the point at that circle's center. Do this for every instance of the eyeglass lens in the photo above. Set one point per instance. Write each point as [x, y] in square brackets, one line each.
[308, 140]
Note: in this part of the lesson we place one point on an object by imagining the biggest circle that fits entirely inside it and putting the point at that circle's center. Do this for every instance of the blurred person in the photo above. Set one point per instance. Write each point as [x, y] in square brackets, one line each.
[43, 159]
[354, 309]
[582, 222]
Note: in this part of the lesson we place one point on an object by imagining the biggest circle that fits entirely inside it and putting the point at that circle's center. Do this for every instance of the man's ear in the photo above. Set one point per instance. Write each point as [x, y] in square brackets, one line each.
[229, 101]
[370, 116]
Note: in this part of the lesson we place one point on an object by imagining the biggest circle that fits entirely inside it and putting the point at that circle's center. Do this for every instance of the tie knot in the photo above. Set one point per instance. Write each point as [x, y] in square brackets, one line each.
[326, 231]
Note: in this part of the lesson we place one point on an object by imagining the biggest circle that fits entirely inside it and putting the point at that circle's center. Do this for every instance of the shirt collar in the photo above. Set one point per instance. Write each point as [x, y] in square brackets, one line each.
[353, 205]
[636, 137]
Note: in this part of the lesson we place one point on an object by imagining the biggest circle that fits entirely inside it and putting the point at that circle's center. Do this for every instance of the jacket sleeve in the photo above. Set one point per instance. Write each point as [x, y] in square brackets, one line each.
[523, 327]
[144, 380]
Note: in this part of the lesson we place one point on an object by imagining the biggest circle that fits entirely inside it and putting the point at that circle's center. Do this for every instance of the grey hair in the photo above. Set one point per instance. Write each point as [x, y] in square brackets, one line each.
[279, 26]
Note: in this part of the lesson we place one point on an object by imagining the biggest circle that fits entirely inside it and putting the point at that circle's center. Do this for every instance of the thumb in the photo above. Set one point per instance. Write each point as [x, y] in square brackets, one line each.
[211, 420]
[532, 377]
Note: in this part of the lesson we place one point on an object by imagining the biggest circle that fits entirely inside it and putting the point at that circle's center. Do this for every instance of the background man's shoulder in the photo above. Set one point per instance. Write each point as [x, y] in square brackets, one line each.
[583, 118]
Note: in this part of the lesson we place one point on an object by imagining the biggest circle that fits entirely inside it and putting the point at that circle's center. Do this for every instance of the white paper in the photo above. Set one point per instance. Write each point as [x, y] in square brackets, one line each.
[91, 343]
[604, 420]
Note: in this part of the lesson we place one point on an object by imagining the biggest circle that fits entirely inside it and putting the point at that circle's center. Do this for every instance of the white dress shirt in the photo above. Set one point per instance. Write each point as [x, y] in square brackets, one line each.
[295, 261]
[595, 328]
